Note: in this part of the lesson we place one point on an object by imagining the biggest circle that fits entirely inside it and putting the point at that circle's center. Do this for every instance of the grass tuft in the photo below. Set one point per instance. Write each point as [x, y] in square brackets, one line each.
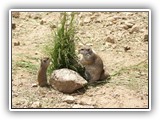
[61, 48]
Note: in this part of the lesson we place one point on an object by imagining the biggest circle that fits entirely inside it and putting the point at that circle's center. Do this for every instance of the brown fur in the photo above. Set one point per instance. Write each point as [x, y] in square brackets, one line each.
[42, 77]
[93, 65]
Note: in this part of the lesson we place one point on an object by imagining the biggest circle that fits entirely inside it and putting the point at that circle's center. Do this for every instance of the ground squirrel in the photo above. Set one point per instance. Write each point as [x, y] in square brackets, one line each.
[94, 69]
[42, 77]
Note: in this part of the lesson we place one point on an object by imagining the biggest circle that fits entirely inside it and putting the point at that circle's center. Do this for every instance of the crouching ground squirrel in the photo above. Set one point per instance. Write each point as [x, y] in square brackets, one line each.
[94, 69]
[42, 77]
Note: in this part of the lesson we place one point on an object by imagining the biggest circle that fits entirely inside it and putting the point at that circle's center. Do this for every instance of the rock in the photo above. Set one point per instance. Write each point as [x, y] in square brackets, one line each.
[93, 17]
[36, 104]
[29, 16]
[108, 45]
[13, 26]
[16, 43]
[82, 106]
[145, 36]
[66, 80]
[129, 24]
[34, 85]
[114, 46]
[53, 26]
[110, 39]
[89, 44]
[36, 53]
[15, 95]
[102, 48]
[114, 21]
[20, 84]
[86, 101]
[15, 14]
[98, 20]
[69, 99]
[125, 27]
[42, 22]
[97, 14]
[110, 19]
[126, 48]
[135, 28]
[37, 16]
[115, 95]
[81, 23]
[129, 13]
[114, 18]
[124, 18]
[87, 20]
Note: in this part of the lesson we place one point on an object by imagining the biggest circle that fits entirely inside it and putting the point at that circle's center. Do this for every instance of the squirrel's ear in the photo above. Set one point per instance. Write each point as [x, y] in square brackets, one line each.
[89, 49]
[40, 59]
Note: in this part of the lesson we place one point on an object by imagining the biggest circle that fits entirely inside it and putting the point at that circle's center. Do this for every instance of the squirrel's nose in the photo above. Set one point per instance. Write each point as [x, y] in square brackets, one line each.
[79, 50]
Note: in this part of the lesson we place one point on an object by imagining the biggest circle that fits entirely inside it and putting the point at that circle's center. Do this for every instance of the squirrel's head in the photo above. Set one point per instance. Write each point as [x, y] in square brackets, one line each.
[85, 51]
[45, 61]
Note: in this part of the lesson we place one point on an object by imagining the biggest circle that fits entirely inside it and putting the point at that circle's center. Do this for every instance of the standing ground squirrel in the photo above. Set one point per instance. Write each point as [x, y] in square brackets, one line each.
[94, 69]
[42, 77]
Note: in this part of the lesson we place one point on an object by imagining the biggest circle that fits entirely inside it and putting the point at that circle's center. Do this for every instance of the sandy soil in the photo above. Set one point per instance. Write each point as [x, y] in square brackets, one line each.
[120, 38]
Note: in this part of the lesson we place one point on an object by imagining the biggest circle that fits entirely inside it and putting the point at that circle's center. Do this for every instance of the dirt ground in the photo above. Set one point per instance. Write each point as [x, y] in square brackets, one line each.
[120, 38]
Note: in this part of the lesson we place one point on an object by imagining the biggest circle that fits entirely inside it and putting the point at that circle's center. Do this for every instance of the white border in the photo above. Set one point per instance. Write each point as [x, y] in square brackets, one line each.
[10, 61]
[150, 59]
[80, 10]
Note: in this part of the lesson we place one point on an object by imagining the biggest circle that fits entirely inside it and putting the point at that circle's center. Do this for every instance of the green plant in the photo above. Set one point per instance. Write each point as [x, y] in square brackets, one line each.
[61, 48]
[134, 77]
[29, 66]
[142, 65]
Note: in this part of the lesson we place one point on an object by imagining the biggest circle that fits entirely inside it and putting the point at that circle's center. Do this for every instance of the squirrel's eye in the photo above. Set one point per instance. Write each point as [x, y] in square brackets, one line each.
[82, 49]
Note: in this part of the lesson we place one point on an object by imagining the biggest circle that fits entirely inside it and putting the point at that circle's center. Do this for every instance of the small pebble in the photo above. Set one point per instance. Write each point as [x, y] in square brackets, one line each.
[34, 85]
[16, 43]
[110, 39]
[69, 99]
[13, 26]
[36, 104]
[146, 37]
[126, 48]
[135, 28]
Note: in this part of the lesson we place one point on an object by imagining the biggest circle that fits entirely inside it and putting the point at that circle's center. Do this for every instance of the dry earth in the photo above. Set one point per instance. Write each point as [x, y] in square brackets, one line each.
[120, 38]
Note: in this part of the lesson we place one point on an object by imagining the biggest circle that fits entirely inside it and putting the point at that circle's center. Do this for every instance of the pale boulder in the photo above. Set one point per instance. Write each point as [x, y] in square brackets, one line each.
[66, 80]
